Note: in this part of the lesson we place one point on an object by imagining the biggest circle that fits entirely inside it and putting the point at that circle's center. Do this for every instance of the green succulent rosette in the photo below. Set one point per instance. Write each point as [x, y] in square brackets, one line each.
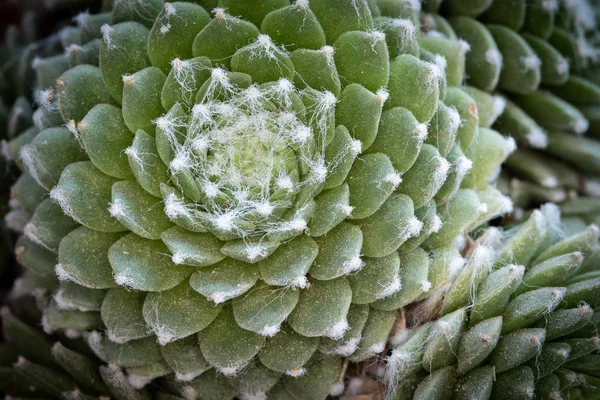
[237, 202]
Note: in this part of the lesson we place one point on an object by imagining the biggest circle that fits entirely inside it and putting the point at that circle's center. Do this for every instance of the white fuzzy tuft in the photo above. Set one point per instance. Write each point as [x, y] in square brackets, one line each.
[562, 67]
[337, 389]
[346, 349]
[482, 208]
[537, 138]
[269, 330]
[394, 178]
[390, 289]
[509, 146]
[464, 46]
[456, 264]
[231, 370]
[580, 126]
[498, 106]
[436, 225]
[425, 286]
[353, 265]
[531, 62]
[493, 57]
[337, 330]
[138, 381]
[296, 372]
[300, 282]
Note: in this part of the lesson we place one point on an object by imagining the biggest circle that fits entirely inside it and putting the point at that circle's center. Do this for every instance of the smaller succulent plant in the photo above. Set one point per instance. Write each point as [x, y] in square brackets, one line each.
[517, 322]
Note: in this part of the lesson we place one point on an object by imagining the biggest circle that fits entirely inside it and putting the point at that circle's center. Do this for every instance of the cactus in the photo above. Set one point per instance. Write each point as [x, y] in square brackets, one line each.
[517, 322]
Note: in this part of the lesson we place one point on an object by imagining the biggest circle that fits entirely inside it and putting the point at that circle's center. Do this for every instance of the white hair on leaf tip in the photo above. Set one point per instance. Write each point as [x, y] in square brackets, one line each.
[455, 265]
[105, 30]
[580, 126]
[464, 46]
[346, 210]
[482, 208]
[510, 145]
[296, 372]
[116, 339]
[188, 377]
[356, 146]
[562, 67]
[440, 61]
[425, 286]
[81, 19]
[377, 36]
[138, 381]
[531, 62]
[494, 57]
[300, 282]
[337, 389]
[269, 330]
[347, 348]
[395, 178]
[422, 132]
[253, 396]
[73, 334]
[537, 138]
[61, 273]
[46, 326]
[116, 209]
[352, 265]
[498, 106]
[124, 280]
[394, 286]
[338, 329]
[382, 95]
[301, 4]
[232, 370]
[459, 242]
[436, 224]
[254, 252]
[178, 258]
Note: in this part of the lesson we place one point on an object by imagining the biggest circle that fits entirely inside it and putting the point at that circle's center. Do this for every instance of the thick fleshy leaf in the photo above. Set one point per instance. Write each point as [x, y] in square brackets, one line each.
[139, 211]
[264, 309]
[105, 138]
[288, 352]
[123, 51]
[83, 193]
[122, 314]
[143, 264]
[226, 346]
[179, 312]
[49, 153]
[339, 252]
[48, 226]
[322, 309]
[135, 353]
[378, 279]
[83, 258]
[185, 358]
[225, 280]
[190, 248]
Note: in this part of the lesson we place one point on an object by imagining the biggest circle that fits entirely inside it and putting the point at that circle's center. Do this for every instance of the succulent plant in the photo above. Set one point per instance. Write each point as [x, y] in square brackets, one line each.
[517, 322]
[234, 210]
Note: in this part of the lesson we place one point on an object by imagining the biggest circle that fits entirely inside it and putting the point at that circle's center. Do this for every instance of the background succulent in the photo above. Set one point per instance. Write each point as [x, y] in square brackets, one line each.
[541, 57]
[519, 330]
